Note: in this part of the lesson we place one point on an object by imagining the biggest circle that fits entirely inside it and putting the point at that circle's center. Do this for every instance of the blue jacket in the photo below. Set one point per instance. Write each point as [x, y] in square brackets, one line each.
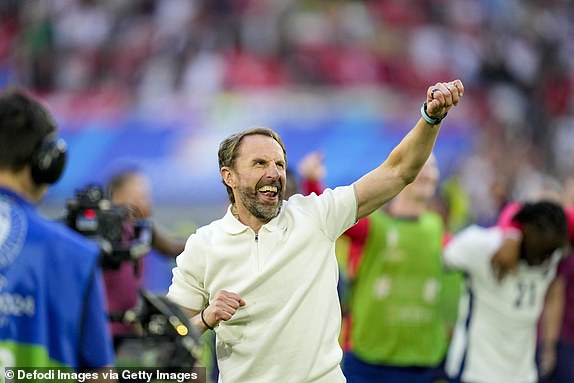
[52, 307]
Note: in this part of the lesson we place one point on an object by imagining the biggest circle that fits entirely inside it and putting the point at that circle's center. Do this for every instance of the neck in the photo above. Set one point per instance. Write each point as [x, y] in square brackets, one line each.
[21, 184]
[246, 218]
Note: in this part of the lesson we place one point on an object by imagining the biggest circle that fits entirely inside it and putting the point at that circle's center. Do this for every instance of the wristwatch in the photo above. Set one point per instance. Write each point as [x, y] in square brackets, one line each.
[429, 119]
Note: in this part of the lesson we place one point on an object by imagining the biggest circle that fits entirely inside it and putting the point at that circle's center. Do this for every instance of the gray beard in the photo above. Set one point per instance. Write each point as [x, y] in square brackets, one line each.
[262, 211]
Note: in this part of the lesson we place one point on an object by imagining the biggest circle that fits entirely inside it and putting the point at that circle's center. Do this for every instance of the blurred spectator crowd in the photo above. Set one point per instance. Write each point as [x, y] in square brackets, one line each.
[514, 57]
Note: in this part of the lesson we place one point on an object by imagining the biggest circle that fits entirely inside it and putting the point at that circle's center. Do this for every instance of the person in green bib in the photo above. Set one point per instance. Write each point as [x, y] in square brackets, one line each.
[397, 330]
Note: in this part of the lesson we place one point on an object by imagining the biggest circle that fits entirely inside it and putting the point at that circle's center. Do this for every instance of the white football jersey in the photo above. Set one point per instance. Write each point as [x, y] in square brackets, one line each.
[495, 336]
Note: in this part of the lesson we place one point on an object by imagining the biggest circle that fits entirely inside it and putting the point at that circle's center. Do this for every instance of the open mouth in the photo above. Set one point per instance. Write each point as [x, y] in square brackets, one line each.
[269, 192]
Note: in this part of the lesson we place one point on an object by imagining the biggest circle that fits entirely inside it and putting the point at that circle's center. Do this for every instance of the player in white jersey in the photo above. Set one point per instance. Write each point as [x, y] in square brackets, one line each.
[495, 337]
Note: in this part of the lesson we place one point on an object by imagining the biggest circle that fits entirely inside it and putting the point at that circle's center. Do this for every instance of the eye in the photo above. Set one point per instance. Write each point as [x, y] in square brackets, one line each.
[281, 165]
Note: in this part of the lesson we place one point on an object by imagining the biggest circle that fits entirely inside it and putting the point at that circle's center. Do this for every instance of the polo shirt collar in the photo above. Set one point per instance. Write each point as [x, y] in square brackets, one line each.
[233, 226]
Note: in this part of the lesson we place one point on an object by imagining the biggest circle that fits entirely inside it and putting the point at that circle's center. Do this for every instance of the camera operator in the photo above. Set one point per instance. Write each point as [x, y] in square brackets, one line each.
[52, 310]
[128, 186]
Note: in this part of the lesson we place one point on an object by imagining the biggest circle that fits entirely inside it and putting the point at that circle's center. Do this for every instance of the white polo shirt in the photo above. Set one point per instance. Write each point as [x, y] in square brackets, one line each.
[287, 274]
[495, 337]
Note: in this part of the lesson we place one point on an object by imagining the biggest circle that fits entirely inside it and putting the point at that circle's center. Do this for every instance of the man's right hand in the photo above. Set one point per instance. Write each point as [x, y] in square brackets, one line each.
[222, 308]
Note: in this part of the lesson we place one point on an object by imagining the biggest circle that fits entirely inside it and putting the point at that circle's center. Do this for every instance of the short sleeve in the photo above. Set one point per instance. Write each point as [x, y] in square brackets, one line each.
[335, 210]
[187, 287]
[472, 249]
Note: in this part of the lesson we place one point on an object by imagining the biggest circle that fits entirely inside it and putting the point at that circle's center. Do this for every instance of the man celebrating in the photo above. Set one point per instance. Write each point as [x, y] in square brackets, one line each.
[265, 275]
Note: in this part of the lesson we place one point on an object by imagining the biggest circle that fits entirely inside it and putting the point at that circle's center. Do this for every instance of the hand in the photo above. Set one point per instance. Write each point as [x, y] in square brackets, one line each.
[442, 96]
[222, 307]
[311, 167]
[134, 212]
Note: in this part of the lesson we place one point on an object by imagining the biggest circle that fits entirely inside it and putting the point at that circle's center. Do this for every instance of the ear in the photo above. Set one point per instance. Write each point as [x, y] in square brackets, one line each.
[228, 176]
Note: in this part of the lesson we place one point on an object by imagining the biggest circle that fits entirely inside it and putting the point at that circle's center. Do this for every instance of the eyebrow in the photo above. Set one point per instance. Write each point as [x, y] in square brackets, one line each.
[260, 159]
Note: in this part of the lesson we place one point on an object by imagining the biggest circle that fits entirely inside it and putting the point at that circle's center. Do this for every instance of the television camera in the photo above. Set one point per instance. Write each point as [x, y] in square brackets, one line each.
[120, 235]
[166, 338]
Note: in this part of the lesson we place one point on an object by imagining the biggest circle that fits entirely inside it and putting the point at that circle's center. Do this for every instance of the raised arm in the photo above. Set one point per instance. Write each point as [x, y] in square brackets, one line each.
[407, 158]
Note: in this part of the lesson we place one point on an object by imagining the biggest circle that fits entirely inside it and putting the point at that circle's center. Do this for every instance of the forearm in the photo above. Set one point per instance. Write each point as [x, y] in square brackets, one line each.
[165, 244]
[553, 313]
[198, 323]
[551, 322]
[406, 160]
[414, 150]
[398, 170]
[195, 319]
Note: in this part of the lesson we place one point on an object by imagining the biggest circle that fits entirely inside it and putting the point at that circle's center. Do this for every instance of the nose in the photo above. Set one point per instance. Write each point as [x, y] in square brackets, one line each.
[272, 171]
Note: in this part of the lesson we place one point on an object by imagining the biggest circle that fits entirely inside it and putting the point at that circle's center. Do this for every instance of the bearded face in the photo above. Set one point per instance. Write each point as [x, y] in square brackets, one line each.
[264, 201]
[258, 178]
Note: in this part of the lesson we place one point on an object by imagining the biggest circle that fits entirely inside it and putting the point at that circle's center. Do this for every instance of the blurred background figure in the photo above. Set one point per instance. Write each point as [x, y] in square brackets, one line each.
[555, 341]
[495, 337]
[53, 309]
[397, 327]
[128, 186]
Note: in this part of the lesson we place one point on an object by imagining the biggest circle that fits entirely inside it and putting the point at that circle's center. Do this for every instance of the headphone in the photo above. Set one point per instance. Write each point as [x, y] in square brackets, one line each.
[48, 160]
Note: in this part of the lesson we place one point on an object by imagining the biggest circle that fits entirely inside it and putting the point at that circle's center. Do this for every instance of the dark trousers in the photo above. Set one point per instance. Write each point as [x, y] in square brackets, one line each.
[358, 371]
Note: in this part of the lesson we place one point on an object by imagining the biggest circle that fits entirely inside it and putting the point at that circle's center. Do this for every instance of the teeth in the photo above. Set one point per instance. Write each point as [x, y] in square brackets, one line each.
[272, 189]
